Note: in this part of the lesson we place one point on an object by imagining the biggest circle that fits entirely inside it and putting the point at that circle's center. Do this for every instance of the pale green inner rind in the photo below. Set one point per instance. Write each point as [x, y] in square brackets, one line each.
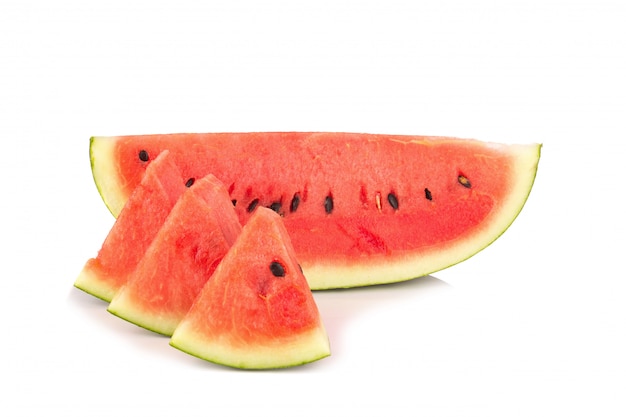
[125, 308]
[91, 283]
[105, 173]
[326, 275]
[300, 349]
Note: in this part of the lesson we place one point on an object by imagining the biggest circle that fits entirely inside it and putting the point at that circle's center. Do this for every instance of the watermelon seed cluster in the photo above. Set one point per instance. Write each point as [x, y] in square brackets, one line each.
[329, 205]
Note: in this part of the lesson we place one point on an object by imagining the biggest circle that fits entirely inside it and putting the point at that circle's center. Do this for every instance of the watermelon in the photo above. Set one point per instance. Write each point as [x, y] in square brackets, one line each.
[194, 238]
[360, 209]
[138, 222]
[257, 310]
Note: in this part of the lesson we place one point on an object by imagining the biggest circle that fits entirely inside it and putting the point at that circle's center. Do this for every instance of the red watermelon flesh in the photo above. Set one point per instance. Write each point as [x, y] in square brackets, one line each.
[360, 208]
[138, 222]
[257, 310]
[194, 238]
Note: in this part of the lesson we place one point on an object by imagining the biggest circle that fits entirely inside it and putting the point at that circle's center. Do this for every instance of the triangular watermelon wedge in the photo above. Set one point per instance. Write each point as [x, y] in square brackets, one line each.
[138, 223]
[257, 310]
[196, 235]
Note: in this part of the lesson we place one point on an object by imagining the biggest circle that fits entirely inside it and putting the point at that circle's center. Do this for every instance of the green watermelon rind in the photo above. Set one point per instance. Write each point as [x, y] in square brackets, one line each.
[128, 311]
[105, 176]
[310, 347]
[89, 282]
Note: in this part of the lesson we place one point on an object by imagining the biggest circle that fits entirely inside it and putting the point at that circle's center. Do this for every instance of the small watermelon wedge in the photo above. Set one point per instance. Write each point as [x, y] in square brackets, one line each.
[257, 310]
[138, 222]
[194, 238]
[360, 209]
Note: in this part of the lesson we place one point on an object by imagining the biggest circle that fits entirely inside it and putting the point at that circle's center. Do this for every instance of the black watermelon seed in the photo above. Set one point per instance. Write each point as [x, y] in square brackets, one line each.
[278, 270]
[393, 200]
[252, 205]
[143, 155]
[276, 205]
[190, 182]
[328, 204]
[464, 181]
[428, 194]
[295, 202]
[234, 202]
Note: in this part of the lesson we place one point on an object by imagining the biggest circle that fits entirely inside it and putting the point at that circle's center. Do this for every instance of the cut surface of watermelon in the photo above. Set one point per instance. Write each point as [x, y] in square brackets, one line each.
[360, 209]
[138, 222]
[257, 310]
[194, 238]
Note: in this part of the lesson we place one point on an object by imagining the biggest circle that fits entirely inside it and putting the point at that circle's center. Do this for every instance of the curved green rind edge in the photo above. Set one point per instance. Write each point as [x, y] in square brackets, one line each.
[92, 162]
[252, 368]
[126, 310]
[317, 343]
[521, 207]
[138, 324]
[105, 175]
[89, 283]
[217, 361]
[320, 276]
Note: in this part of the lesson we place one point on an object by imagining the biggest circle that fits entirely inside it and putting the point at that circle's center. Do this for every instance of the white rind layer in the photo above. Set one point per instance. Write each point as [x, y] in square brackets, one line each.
[279, 353]
[106, 174]
[91, 283]
[123, 306]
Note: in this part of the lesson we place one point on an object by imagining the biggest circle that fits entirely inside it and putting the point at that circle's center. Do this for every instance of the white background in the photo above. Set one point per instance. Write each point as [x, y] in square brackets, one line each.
[535, 325]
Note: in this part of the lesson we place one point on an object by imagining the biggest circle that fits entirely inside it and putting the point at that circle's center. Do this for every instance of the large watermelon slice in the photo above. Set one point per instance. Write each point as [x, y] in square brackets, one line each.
[257, 310]
[137, 224]
[194, 238]
[360, 208]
